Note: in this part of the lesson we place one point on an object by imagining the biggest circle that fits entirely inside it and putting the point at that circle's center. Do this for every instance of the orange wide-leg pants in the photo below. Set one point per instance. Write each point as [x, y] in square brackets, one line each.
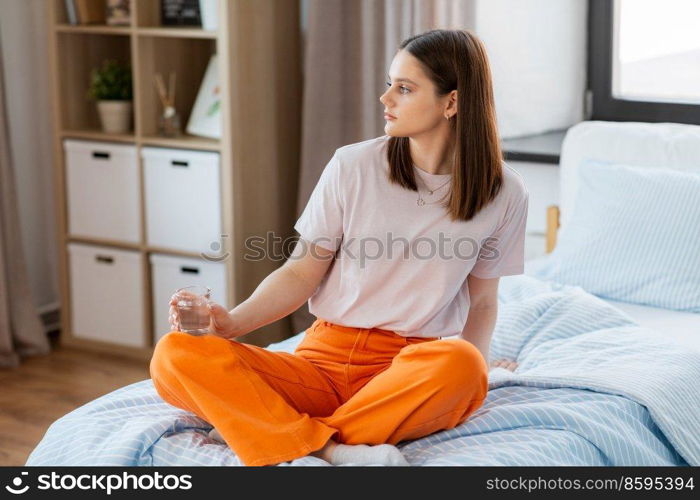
[355, 385]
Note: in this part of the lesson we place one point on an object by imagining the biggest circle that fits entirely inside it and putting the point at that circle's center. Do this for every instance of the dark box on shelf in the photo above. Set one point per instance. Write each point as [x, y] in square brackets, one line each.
[180, 13]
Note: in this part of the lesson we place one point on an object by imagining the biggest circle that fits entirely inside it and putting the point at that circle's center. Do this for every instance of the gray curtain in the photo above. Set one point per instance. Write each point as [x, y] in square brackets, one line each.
[349, 47]
[21, 331]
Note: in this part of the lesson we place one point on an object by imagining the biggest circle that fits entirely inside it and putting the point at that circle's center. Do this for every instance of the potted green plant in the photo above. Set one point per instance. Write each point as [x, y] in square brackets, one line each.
[110, 86]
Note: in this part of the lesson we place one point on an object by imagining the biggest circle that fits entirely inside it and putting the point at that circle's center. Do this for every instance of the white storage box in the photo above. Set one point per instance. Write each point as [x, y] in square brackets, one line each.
[170, 273]
[183, 201]
[106, 288]
[103, 190]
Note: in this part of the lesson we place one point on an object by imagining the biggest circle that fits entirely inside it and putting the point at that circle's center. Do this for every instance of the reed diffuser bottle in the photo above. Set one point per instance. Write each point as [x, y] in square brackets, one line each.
[169, 120]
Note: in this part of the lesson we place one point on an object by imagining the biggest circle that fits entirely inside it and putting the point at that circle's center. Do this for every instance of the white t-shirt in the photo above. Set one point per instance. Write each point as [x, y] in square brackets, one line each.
[400, 266]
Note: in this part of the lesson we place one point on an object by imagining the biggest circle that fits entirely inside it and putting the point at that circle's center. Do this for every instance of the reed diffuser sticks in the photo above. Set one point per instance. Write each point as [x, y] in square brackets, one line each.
[167, 98]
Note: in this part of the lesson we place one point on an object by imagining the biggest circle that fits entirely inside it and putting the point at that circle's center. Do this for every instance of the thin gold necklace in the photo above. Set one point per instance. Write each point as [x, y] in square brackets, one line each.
[420, 201]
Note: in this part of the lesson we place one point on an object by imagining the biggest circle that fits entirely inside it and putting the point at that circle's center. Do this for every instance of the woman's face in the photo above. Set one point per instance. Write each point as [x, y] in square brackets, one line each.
[410, 97]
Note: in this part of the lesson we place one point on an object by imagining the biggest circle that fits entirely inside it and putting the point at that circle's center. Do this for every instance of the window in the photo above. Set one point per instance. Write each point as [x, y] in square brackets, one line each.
[644, 60]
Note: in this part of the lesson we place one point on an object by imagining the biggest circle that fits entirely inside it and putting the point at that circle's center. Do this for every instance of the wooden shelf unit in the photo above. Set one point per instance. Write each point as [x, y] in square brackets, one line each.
[94, 29]
[258, 47]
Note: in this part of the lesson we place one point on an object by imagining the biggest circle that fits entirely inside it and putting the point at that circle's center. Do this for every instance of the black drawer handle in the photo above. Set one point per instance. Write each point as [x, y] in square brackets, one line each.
[101, 155]
[178, 163]
[104, 259]
[189, 270]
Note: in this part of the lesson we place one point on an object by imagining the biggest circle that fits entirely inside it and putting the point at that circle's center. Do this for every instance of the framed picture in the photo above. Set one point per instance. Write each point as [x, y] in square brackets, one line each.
[180, 13]
[119, 12]
[205, 119]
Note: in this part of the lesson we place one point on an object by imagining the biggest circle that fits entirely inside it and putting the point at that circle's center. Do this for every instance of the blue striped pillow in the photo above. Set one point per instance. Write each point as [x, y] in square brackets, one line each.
[634, 236]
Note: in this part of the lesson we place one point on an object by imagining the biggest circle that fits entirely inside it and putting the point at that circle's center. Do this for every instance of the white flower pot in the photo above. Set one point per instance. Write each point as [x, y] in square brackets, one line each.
[115, 116]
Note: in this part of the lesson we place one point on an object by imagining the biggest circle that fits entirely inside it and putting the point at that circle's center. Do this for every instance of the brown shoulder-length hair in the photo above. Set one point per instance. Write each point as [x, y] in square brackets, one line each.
[456, 59]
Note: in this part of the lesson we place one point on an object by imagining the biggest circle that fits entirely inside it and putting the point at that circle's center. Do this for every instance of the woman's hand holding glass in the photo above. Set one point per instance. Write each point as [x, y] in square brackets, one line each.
[196, 314]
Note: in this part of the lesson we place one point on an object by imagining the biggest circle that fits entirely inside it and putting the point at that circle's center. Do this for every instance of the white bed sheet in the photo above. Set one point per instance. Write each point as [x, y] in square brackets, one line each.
[677, 326]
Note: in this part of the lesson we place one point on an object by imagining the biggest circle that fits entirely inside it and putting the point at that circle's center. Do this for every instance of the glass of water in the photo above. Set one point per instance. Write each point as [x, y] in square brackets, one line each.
[192, 309]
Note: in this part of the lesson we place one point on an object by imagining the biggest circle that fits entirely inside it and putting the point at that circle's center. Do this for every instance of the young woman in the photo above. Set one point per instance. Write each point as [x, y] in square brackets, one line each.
[403, 241]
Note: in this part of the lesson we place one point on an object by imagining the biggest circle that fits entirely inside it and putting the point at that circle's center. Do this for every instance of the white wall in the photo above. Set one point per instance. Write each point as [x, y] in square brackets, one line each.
[23, 38]
[537, 50]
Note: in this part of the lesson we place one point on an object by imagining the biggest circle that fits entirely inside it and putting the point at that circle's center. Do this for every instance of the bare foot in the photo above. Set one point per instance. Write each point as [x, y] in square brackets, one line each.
[508, 364]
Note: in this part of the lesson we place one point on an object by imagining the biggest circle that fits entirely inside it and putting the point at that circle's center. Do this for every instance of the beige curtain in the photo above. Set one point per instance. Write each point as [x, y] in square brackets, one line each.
[349, 47]
[21, 331]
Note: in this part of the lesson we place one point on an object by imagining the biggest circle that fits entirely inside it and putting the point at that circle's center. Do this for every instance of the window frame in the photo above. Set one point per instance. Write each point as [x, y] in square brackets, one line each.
[603, 106]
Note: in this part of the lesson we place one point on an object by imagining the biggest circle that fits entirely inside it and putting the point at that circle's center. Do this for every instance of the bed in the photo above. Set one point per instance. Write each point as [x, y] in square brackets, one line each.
[680, 327]
[599, 381]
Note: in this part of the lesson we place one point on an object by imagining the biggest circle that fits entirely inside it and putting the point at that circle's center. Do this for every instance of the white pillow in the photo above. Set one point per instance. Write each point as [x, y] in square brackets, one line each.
[633, 236]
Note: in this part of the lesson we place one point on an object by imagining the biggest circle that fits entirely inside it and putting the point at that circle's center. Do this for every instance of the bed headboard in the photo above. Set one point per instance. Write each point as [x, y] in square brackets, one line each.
[670, 145]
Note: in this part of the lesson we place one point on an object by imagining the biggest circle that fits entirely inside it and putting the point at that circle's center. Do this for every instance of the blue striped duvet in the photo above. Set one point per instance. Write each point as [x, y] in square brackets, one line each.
[591, 388]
